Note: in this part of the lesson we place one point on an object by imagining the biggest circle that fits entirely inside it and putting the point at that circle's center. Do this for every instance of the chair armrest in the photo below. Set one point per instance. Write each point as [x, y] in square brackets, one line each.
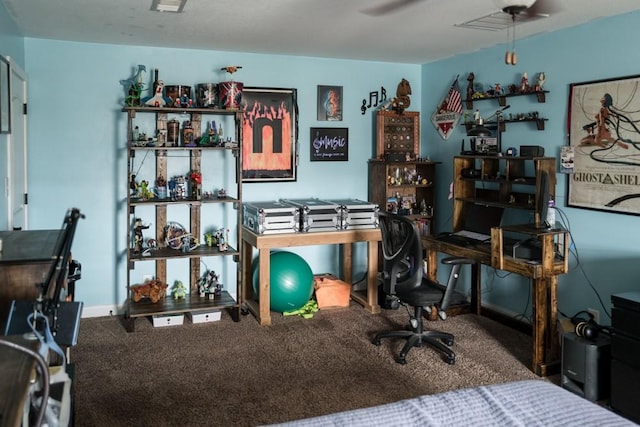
[456, 263]
[457, 260]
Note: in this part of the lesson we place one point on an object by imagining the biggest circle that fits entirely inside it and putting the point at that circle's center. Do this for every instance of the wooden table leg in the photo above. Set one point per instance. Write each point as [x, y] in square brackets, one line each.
[247, 280]
[264, 292]
[347, 263]
[554, 339]
[372, 278]
[539, 327]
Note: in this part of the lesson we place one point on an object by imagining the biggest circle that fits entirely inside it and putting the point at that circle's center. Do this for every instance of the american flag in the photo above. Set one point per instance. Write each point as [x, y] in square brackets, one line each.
[454, 103]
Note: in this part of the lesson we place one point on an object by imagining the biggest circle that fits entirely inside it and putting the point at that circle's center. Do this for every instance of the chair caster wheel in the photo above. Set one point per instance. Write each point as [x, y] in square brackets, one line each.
[375, 341]
[448, 342]
[450, 360]
[401, 360]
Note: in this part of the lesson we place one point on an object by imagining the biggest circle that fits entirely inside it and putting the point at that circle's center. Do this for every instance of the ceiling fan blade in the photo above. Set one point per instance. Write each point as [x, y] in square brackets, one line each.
[389, 7]
[544, 7]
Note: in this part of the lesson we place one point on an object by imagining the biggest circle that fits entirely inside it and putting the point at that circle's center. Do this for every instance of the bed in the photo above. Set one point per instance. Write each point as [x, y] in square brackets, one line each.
[521, 403]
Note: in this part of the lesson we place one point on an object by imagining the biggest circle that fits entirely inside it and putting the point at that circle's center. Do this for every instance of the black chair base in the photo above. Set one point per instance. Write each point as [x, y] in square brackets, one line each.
[437, 340]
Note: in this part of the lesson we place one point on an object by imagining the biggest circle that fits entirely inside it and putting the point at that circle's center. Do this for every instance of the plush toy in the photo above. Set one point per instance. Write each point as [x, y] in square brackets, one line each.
[179, 291]
[155, 290]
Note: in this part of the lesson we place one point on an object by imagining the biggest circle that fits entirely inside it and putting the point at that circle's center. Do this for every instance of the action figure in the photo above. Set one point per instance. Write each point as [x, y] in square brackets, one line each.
[138, 239]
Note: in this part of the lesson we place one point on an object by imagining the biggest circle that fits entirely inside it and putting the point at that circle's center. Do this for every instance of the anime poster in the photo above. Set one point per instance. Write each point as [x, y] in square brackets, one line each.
[604, 133]
[269, 134]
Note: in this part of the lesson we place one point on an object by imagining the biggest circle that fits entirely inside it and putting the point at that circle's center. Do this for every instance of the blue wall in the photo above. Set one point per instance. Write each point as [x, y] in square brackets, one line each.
[77, 139]
[607, 243]
[77, 135]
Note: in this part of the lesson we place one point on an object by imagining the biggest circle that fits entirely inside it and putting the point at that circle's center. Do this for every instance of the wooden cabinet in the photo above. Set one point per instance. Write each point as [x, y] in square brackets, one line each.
[509, 182]
[406, 187]
[194, 223]
[397, 135]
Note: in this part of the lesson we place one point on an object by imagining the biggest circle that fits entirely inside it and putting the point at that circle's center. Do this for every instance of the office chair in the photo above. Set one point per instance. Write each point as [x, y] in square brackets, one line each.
[403, 277]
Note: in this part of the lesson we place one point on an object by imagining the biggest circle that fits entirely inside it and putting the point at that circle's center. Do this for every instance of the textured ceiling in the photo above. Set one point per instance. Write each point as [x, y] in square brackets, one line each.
[426, 31]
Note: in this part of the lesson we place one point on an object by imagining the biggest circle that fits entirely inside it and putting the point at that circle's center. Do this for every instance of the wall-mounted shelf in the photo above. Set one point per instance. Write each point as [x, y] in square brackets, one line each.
[502, 99]
[538, 121]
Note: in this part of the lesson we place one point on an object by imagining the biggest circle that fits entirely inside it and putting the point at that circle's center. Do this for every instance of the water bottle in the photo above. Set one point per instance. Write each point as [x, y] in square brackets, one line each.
[551, 214]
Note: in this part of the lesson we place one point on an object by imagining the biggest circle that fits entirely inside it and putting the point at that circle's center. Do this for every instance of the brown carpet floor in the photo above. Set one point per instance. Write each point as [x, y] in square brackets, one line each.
[243, 374]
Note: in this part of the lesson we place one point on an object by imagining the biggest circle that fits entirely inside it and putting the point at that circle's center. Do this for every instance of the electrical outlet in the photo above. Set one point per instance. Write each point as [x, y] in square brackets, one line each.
[595, 313]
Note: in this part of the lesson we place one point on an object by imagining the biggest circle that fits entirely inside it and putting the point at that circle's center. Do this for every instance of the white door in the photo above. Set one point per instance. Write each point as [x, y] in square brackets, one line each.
[17, 141]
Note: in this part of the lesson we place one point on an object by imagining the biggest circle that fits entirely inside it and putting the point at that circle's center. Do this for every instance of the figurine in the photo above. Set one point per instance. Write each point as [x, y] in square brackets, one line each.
[222, 237]
[231, 68]
[133, 87]
[210, 239]
[540, 82]
[524, 83]
[157, 100]
[402, 100]
[188, 137]
[133, 185]
[179, 291]
[138, 238]
[470, 90]
[209, 285]
[144, 191]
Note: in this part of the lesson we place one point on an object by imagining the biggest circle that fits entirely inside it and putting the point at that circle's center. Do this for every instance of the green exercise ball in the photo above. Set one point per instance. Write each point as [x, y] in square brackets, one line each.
[290, 281]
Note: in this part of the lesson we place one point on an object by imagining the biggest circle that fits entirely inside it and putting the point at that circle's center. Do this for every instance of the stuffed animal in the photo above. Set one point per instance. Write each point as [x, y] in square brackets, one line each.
[155, 290]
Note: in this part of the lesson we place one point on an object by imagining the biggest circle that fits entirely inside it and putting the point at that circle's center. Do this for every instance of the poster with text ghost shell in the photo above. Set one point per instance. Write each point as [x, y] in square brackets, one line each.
[329, 144]
[605, 139]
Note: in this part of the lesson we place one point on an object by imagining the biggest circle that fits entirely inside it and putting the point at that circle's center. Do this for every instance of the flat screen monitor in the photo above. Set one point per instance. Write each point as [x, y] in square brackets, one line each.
[543, 201]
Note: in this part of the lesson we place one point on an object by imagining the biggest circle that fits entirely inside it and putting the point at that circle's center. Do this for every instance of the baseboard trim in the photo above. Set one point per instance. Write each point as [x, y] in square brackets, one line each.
[102, 311]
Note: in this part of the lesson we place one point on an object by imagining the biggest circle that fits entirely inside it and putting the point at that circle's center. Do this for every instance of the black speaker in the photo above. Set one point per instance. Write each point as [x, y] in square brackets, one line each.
[531, 151]
[586, 366]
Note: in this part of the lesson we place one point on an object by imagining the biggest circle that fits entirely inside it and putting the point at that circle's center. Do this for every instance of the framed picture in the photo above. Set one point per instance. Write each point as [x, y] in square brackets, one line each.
[605, 142]
[329, 144]
[329, 103]
[487, 145]
[5, 96]
[269, 134]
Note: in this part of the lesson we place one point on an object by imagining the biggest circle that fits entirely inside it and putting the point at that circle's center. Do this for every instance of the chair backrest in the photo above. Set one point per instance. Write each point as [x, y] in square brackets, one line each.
[402, 253]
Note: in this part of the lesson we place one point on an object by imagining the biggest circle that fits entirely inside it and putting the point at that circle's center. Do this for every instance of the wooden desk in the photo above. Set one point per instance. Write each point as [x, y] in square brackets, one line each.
[265, 242]
[24, 262]
[543, 275]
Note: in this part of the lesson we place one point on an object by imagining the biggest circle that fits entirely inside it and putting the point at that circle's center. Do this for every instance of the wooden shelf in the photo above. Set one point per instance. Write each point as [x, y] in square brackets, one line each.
[191, 303]
[502, 99]
[162, 255]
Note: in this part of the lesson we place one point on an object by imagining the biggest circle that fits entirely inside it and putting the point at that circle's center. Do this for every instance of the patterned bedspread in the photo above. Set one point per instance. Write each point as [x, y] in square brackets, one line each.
[522, 403]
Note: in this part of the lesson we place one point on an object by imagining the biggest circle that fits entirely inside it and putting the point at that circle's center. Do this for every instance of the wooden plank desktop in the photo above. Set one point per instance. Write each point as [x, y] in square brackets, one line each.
[265, 242]
[544, 279]
[24, 262]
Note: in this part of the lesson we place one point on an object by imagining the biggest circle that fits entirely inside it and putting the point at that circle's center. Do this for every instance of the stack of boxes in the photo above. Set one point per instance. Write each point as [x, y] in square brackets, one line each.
[309, 215]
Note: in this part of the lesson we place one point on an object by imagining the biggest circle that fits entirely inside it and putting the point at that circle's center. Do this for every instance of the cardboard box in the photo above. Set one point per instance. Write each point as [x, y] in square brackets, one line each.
[212, 316]
[331, 292]
[168, 320]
